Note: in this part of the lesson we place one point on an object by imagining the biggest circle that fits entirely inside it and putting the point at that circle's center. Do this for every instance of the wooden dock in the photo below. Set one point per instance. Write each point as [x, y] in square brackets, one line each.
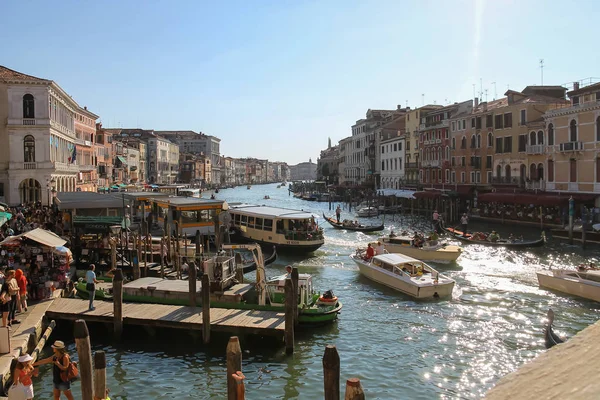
[167, 316]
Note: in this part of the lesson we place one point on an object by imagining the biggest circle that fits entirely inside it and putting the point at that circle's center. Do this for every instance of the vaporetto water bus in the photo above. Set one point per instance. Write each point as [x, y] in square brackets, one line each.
[288, 230]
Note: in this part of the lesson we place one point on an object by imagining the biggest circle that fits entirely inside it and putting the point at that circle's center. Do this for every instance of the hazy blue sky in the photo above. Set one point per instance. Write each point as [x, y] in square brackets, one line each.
[274, 79]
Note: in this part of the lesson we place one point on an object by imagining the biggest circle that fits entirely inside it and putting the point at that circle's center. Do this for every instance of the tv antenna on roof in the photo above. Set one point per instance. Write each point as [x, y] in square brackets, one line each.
[423, 98]
[542, 69]
[495, 93]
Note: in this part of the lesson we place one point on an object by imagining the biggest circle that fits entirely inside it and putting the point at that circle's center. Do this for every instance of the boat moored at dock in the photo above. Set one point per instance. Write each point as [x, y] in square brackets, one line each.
[405, 274]
[288, 230]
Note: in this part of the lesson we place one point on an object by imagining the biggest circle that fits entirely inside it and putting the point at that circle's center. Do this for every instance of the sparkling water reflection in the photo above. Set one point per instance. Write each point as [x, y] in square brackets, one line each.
[398, 347]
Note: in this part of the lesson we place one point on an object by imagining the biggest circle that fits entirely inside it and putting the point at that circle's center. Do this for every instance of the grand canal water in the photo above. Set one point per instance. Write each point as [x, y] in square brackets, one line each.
[399, 348]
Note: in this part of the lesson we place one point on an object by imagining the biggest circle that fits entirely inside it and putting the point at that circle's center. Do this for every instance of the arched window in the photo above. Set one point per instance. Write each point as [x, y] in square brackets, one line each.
[439, 157]
[573, 131]
[540, 137]
[532, 172]
[490, 139]
[463, 144]
[447, 152]
[540, 171]
[453, 143]
[498, 171]
[550, 135]
[29, 149]
[478, 141]
[550, 171]
[532, 138]
[473, 141]
[28, 106]
[507, 172]
[598, 129]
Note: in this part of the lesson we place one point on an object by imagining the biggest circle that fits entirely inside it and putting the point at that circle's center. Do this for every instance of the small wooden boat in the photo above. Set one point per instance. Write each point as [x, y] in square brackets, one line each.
[405, 274]
[367, 212]
[469, 238]
[551, 339]
[359, 228]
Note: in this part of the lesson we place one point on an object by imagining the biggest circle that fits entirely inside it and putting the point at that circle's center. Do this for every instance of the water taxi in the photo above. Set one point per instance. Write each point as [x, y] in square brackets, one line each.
[404, 274]
[429, 250]
[189, 192]
[584, 283]
[290, 230]
[186, 215]
[367, 212]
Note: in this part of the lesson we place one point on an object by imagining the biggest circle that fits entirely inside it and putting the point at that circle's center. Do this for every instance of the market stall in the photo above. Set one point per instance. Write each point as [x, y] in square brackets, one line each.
[42, 256]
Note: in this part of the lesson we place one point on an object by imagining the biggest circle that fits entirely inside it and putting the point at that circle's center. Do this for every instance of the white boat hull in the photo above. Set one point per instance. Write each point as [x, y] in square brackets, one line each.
[444, 255]
[443, 289]
[576, 287]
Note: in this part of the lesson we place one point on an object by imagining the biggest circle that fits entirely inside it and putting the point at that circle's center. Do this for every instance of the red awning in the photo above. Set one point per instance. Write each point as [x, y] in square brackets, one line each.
[540, 199]
[427, 194]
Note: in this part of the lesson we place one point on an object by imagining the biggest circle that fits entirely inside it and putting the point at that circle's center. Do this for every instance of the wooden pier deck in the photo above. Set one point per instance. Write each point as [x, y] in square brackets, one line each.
[167, 316]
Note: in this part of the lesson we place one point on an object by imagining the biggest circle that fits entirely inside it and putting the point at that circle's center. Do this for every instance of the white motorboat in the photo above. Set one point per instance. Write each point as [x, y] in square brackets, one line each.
[431, 250]
[584, 284]
[405, 274]
[367, 212]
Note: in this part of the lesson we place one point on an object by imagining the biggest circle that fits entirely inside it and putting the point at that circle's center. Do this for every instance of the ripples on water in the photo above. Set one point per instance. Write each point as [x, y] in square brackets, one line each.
[398, 347]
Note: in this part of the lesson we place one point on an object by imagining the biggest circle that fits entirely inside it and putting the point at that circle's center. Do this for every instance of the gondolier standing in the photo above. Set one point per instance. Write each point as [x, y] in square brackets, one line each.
[464, 221]
[436, 221]
[338, 213]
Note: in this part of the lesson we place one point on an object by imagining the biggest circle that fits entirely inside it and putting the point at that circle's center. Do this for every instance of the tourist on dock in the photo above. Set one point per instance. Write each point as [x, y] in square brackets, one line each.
[338, 213]
[5, 303]
[185, 267]
[464, 222]
[34, 281]
[13, 290]
[23, 373]
[90, 278]
[60, 361]
[22, 283]
[379, 250]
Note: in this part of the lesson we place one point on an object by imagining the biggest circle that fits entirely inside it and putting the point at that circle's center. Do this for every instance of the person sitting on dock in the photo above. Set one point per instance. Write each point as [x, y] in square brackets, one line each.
[494, 237]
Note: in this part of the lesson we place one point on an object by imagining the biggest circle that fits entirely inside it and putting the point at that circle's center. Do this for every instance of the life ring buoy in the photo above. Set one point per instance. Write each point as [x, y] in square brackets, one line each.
[323, 300]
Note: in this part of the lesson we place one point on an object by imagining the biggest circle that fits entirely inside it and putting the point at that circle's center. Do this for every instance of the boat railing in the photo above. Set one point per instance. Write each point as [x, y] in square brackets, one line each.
[304, 235]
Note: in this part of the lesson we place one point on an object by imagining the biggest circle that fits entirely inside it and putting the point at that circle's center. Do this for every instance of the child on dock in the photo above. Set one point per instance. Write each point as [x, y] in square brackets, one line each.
[22, 375]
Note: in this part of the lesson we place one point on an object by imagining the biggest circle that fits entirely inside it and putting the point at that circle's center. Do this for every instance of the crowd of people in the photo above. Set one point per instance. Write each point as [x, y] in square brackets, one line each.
[551, 215]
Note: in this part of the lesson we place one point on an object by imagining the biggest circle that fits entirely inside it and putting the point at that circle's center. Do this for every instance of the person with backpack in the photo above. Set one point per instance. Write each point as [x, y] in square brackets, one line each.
[62, 367]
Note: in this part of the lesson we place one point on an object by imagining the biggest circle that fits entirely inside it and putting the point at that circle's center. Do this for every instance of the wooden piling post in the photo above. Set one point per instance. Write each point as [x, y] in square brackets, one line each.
[42, 341]
[205, 308]
[162, 258]
[84, 353]
[99, 375]
[354, 390]
[234, 364]
[139, 255]
[289, 316]
[118, 302]
[113, 252]
[331, 373]
[136, 258]
[295, 281]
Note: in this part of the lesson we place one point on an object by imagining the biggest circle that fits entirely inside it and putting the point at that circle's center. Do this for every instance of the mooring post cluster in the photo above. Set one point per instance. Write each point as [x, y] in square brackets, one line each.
[331, 378]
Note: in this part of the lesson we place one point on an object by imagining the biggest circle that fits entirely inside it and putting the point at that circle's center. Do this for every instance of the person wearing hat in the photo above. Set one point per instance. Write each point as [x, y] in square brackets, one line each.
[60, 361]
[23, 373]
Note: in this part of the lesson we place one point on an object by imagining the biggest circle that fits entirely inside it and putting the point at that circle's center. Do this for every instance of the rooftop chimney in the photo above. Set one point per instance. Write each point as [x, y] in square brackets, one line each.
[575, 85]
[476, 102]
[85, 108]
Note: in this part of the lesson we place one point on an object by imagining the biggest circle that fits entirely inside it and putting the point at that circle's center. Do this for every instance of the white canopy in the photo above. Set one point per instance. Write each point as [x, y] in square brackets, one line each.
[407, 194]
[39, 235]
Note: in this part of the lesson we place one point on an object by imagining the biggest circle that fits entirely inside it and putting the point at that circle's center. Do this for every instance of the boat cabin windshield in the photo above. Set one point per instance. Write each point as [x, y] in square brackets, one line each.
[415, 268]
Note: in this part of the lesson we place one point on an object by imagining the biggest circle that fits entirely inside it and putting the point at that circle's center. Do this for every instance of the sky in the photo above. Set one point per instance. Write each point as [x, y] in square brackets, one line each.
[275, 79]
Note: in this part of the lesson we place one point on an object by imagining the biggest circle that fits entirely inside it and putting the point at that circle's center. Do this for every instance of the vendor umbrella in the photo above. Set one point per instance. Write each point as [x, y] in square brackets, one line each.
[64, 251]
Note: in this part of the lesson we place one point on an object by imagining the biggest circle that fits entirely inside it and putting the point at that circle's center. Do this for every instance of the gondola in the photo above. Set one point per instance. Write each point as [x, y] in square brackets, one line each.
[251, 265]
[551, 339]
[500, 242]
[360, 228]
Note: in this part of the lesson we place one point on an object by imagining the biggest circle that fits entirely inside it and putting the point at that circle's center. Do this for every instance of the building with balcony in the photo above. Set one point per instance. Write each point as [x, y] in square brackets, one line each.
[327, 164]
[392, 147]
[85, 143]
[434, 142]
[516, 127]
[412, 124]
[572, 133]
[198, 143]
[394, 126]
[192, 169]
[37, 138]
[104, 156]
